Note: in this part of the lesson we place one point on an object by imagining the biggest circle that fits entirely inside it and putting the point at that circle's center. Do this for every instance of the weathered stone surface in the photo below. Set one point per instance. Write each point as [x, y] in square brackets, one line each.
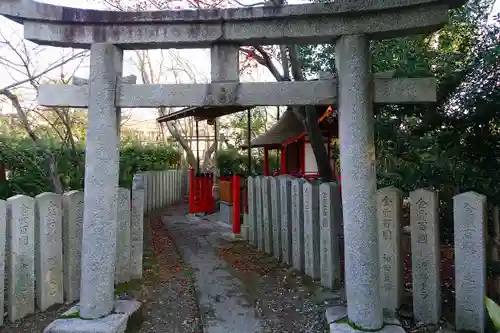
[425, 248]
[73, 207]
[276, 217]
[258, 213]
[175, 187]
[390, 216]
[225, 64]
[164, 195]
[136, 233]
[470, 218]
[113, 323]
[330, 211]
[79, 81]
[252, 211]
[123, 237]
[138, 181]
[48, 249]
[162, 192]
[149, 191]
[155, 195]
[101, 185]
[3, 238]
[181, 184]
[387, 91]
[267, 215]
[307, 23]
[311, 230]
[244, 228]
[226, 212]
[357, 160]
[166, 188]
[335, 317]
[21, 261]
[286, 218]
[53, 13]
[298, 260]
[495, 251]
[169, 187]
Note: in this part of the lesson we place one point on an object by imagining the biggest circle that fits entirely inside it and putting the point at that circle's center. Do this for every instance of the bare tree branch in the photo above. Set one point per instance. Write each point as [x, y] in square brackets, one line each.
[42, 73]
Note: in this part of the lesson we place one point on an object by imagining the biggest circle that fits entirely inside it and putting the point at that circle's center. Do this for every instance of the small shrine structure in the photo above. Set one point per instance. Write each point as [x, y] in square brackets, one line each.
[296, 154]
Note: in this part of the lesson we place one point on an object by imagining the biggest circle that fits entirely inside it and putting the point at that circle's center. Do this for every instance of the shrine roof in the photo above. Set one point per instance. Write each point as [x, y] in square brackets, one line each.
[201, 113]
[288, 128]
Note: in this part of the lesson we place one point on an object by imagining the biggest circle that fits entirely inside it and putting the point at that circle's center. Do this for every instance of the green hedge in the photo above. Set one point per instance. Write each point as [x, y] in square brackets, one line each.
[28, 167]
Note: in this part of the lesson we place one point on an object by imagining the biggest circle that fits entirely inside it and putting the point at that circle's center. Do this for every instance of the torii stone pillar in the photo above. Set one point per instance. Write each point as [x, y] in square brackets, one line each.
[104, 119]
[357, 163]
[97, 297]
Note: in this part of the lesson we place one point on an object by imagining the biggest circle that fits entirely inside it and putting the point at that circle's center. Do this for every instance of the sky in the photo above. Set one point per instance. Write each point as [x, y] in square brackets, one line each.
[44, 56]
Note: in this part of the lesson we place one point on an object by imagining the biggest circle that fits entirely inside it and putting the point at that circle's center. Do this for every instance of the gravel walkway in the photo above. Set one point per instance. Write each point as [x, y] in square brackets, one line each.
[288, 302]
[171, 303]
[243, 290]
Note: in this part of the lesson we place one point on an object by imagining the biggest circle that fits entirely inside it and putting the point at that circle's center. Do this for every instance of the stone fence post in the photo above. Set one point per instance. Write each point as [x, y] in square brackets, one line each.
[298, 259]
[48, 250]
[137, 227]
[469, 217]
[424, 215]
[390, 215]
[21, 263]
[330, 211]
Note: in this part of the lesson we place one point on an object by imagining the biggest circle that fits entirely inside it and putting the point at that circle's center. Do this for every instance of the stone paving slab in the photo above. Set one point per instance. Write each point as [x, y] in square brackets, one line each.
[223, 305]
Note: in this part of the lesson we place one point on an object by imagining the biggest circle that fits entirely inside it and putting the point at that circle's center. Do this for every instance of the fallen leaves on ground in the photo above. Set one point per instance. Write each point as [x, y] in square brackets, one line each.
[243, 257]
[172, 306]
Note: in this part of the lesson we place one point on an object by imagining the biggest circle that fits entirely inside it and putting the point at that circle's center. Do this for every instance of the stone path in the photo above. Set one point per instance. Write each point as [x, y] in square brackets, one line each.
[242, 290]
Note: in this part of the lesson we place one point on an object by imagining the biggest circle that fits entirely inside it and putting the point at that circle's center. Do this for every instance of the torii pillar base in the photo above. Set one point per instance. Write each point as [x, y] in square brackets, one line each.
[339, 323]
[126, 313]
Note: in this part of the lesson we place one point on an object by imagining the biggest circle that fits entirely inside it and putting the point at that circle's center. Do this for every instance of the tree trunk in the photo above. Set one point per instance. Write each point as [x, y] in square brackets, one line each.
[318, 145]
[191, 159]
[57, 185]
[208, 155]
[309, 119]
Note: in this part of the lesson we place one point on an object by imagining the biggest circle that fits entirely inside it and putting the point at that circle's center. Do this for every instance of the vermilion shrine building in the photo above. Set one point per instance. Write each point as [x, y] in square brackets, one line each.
[287, 136]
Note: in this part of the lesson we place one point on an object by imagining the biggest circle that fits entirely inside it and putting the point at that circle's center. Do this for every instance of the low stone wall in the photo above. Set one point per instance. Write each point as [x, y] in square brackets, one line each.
[301, 223]
[163, 188]
[40, 248]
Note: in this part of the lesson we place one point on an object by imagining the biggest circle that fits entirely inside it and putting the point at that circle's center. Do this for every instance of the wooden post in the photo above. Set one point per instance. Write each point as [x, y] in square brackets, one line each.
[236, 205]
[283, 169]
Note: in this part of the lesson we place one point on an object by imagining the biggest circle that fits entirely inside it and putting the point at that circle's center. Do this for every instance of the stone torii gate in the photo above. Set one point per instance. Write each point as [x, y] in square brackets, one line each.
[351, 24]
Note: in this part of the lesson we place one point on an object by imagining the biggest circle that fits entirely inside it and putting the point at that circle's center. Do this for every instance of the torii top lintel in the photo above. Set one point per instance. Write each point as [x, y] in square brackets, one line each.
[47, 24]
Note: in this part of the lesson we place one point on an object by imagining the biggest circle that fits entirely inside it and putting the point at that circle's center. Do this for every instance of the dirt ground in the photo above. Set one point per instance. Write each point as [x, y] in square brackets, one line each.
[287, 302]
